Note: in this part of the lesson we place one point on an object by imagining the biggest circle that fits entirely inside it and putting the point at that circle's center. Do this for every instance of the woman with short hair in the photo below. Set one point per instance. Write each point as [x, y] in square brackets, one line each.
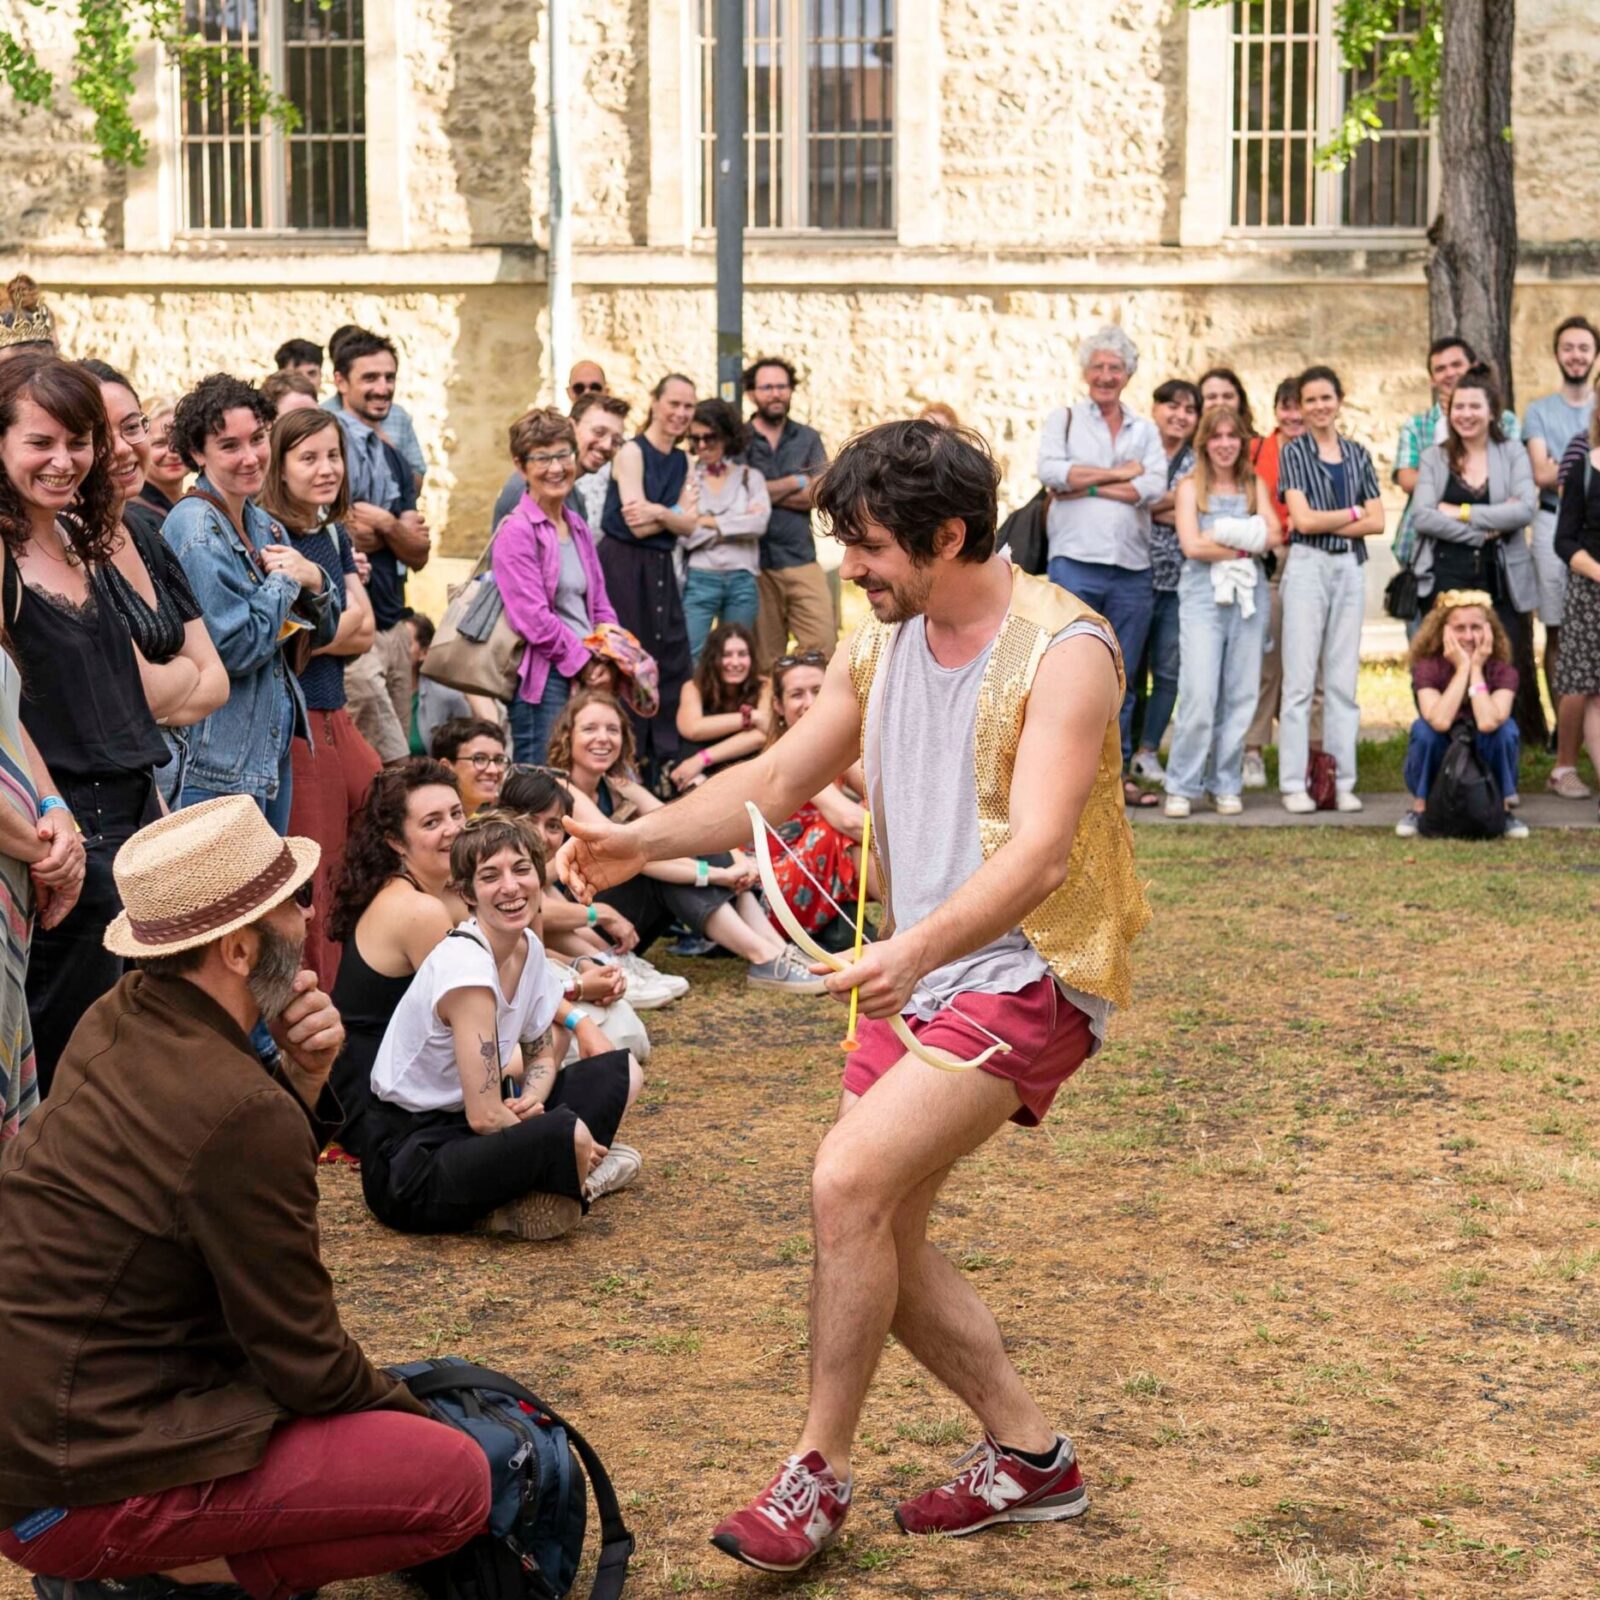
[549, 576]
[1331, 491]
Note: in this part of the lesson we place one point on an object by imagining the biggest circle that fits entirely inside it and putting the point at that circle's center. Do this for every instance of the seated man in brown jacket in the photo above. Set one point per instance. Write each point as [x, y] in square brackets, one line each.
[182, 1405]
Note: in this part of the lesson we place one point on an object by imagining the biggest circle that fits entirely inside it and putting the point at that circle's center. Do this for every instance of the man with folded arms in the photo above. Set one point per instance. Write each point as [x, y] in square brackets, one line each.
[183, 1407]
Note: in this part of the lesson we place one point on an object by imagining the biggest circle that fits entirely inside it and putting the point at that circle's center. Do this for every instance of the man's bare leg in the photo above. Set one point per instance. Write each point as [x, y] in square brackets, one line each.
[912, 1127]
[942, 1321]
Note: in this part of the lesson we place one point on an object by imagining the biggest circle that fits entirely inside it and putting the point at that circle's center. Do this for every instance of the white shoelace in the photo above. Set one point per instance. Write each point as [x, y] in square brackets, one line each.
[794, 1496]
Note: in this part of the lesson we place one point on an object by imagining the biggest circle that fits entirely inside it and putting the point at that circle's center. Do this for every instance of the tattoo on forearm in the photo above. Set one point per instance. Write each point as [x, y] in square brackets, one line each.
[489, 1051]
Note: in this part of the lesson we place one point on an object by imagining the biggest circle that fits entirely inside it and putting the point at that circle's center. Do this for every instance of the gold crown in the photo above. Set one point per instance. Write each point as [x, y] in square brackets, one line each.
[24, 317]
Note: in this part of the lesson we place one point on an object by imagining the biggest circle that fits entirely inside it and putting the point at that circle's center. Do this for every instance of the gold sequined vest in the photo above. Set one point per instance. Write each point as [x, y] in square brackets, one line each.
[1083, 930]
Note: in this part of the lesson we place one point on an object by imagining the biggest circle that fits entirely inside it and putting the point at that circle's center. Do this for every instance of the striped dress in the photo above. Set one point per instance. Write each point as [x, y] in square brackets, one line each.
[19, 1093]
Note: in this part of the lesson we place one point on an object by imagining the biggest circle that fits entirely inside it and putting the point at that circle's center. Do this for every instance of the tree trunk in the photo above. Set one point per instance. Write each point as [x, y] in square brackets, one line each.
[1473, 263]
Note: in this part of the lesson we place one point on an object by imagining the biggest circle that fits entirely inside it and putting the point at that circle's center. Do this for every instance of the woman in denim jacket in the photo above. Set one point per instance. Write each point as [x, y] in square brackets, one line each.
[257, 592]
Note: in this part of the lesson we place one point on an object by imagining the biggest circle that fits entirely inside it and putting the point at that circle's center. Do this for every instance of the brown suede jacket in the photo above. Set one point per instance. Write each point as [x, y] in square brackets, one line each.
[163, 1304]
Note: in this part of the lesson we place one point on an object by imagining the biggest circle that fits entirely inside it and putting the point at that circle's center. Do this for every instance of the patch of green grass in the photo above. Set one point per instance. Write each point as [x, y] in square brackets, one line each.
[947, 1431]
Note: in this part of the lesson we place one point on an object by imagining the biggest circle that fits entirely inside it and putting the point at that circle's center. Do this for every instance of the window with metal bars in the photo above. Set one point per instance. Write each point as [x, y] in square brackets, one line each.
[819, 107]
[239, 176]
[1289, 89]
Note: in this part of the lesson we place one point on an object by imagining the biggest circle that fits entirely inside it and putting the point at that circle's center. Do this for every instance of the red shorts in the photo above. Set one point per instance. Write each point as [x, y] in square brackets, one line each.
[1050, 1039]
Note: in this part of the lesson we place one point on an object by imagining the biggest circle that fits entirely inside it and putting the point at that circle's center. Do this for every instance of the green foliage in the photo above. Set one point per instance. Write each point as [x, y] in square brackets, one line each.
[107, 35]
[1388, 45]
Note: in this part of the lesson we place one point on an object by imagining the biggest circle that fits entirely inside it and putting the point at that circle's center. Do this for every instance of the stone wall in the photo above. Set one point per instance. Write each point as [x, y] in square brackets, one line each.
[1557, 125]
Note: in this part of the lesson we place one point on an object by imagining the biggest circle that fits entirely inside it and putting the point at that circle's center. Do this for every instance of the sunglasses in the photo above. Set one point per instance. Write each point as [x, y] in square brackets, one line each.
[696, 440]
[305, 896]
[524, 767]
[587, 388]
[805, 658]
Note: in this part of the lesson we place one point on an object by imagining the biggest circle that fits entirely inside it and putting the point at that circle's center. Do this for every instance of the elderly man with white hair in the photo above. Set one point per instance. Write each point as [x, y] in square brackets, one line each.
[1103, 466]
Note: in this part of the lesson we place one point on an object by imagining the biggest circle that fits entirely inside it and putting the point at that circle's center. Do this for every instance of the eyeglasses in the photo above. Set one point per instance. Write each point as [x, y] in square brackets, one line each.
[555, 458]
[699, 440]
[133, 429]
[305, 896]
[483, 763]
[586, 388]
[804, 658]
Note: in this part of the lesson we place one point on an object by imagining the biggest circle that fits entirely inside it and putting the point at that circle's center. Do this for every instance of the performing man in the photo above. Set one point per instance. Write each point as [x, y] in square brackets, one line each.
[984, 704]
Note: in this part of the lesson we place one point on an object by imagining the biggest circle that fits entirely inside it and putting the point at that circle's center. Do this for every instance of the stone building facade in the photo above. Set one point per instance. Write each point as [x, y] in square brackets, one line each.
[1053, 167]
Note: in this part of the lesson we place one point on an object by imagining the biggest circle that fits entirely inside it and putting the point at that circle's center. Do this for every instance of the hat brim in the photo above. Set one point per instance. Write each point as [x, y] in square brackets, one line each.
[121, 940]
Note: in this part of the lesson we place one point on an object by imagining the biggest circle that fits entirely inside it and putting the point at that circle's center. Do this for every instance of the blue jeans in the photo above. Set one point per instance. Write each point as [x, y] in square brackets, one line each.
[532, 725]
[1125, 598]
[275, 810]
[1499, 751]
[1218, 683]
[1160, 664]
[712, 597]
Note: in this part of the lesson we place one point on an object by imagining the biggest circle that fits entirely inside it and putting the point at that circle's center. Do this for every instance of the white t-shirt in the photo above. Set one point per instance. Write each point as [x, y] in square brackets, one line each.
[416, 1063]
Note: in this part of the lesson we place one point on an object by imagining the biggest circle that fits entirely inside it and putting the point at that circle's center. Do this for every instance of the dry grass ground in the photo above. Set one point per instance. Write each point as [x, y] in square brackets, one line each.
[1308, 1260]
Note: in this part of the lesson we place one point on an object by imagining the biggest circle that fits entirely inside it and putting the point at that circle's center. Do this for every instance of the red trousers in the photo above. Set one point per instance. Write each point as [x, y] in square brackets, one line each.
[331, 777]
[334, 1498]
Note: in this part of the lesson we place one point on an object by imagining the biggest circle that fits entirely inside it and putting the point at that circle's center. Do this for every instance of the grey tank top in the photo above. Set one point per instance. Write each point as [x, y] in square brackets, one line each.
[572, 589]
[922, 720]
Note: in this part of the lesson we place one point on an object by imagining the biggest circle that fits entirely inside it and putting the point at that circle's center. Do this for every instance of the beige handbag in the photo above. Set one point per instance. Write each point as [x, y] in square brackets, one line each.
[474, 647]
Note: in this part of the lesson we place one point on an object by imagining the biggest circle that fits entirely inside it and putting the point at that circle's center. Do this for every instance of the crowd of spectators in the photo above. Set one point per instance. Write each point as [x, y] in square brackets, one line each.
[208, 651]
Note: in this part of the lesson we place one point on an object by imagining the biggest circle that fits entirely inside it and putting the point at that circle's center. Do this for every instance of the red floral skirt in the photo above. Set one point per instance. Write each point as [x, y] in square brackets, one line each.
[828, 857]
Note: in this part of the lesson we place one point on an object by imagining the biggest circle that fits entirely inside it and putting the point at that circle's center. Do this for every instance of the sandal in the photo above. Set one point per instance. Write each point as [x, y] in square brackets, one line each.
[1133, 795]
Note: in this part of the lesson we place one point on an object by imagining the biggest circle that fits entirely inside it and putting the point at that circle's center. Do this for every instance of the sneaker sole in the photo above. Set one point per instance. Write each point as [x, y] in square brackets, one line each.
[1059, 1510]
[535, 1217]
[786, 988]
[652, 1002]
[729, 1546]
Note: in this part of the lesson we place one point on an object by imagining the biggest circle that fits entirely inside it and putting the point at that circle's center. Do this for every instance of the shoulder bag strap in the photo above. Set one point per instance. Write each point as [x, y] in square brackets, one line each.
[238, 533]
[616, 1543]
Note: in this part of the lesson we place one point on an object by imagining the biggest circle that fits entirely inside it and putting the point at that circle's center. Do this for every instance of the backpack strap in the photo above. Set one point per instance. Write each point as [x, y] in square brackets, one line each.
[616, 1543]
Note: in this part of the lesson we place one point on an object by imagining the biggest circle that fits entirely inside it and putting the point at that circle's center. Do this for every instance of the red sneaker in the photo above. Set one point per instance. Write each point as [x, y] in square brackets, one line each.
[796, 1517]
[998, 1486]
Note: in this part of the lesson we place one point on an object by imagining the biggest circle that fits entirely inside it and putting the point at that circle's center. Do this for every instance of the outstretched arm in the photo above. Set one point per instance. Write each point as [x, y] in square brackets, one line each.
[814, 752]
[1073, 700]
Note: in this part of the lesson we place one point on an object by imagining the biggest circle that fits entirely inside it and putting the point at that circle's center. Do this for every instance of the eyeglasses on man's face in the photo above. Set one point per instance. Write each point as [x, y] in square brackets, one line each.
[772, 388]
[486, 763]
[554, 458]
[305, 896]
[587, 388]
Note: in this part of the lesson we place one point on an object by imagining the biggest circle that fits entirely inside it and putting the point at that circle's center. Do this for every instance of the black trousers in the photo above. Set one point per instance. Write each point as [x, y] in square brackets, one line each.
[69, 967]
[428, 1172]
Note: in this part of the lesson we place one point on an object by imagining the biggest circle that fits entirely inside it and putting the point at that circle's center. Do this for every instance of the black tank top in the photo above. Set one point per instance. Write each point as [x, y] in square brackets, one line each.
[82, 699]
[664, 475]
[365, 1001]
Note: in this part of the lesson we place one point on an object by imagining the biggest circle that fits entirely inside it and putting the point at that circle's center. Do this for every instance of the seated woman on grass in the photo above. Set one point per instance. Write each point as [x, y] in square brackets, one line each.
[473, 1122]
[593, 744]
[725, 710]
[1462, 673]
[585, 935]
[824, 835]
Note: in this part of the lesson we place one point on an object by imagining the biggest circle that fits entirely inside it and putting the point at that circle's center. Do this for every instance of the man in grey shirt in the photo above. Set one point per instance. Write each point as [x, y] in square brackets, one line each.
[957, 978]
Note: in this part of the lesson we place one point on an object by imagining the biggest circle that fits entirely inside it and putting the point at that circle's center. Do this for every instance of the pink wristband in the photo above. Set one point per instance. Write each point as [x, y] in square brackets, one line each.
[1479, 688]
[705, 758]
[1355, 514]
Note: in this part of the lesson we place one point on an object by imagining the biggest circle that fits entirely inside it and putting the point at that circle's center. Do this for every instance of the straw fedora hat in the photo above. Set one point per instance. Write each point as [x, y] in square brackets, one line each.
[199, 873]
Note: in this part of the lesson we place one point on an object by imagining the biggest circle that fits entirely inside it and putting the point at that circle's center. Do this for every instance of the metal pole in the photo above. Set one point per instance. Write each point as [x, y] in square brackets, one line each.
[730, 117]
[558, 276]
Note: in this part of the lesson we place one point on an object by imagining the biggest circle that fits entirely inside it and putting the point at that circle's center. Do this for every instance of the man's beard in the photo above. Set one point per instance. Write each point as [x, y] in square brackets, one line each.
[277, 965]
[905, 600]
[1582, 377]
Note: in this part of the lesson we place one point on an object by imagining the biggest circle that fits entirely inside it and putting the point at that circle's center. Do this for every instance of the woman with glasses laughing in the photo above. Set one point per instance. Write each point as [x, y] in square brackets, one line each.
[549, 577]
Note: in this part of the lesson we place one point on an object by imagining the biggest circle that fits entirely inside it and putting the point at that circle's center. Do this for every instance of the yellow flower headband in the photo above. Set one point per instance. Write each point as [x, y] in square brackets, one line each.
[1451, 599]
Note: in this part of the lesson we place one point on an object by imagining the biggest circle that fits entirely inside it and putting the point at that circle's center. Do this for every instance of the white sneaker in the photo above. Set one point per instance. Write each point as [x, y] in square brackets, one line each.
[1255, 770]
[1178, 805]
[1345, 801]
[645, 995]
[636, 966]
[618, 1168]
[1299, 802]
[1516, 828]
[1227, 805]
[1406, 827]
[1146, 764]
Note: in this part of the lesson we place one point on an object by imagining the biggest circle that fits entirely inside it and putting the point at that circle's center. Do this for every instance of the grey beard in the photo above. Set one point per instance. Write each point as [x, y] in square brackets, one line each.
[271, 979]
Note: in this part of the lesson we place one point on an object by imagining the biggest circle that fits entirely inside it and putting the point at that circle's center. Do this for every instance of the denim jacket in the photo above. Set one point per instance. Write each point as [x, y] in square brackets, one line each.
[237, 747]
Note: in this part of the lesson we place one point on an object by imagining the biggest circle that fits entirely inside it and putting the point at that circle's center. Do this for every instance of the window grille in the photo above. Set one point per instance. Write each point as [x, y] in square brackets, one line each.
[819, 133]
[1289, 89]
[244, 177]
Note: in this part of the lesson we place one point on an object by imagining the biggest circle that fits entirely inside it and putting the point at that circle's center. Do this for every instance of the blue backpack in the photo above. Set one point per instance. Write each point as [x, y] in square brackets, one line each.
[538, 1507]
